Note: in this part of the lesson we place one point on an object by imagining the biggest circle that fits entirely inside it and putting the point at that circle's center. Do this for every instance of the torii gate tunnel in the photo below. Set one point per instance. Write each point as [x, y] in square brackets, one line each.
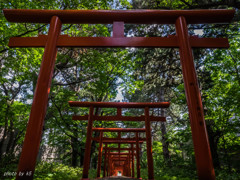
[127, 158]
[119, 140]
[181, 40]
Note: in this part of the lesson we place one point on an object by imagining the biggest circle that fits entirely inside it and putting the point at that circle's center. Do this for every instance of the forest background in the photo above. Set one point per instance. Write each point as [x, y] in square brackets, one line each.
[128, 75]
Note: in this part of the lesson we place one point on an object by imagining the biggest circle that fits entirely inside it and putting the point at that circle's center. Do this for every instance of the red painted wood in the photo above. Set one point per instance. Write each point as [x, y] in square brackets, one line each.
[121, 141]
[100, 155]
[129, 165]
[108, 164]
[119, 104]
[121, 153]
[105, 160]
[149, 144]
[120, 118]
[118, 159]
[86, 162]
[33, 135]
[138, 156]
[117, 139]
[118, 29]
[119, 112]
[116, 156]
[116, 149]
[119, 145]
[132, 149]
[158, 42]
[119, 129]
[199, 133]
[127, 16]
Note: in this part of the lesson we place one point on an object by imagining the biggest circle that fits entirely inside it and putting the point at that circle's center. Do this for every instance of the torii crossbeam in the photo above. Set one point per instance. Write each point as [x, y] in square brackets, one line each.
[181, 40]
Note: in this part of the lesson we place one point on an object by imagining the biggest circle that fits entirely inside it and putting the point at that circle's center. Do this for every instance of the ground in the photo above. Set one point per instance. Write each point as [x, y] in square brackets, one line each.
[116, 178]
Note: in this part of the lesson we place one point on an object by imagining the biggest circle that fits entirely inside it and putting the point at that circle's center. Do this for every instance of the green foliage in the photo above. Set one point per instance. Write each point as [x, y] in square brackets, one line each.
[56, 171]
[224, 174]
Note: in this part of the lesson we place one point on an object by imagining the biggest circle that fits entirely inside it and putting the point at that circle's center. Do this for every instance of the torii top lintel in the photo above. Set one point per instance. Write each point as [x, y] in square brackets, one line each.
[119, 104]
[127, 16]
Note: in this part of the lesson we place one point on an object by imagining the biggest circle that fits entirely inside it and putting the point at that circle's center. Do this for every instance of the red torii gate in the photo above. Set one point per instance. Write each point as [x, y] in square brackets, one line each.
[181, 40]
[91, 117]
[119, 130]
[128, 158]
[107, 151]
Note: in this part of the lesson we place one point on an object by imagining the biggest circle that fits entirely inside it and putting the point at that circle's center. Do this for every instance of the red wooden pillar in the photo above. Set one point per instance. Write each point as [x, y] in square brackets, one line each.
[149, 144]
[128, 166]
[119, 136]
[124, 166]
[108, 169]
[87, 152]
[111, 166]
[105, 160]
[33, 135]
[199, 133]
[137, 157]
[100, 155]
[132, 160]
[130, 163]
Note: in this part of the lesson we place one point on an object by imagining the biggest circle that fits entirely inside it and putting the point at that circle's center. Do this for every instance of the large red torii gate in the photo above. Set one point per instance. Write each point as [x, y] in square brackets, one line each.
[181, 40]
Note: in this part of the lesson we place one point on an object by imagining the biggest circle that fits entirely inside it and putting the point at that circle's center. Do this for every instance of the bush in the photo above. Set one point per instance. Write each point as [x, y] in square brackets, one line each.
[56, 171]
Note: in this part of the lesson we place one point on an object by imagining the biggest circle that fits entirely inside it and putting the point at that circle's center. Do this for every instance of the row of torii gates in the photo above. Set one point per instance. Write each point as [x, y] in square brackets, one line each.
[115, 161]
[182, 40]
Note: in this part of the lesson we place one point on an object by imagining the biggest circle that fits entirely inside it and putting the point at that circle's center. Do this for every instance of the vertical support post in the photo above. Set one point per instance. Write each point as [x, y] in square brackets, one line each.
[118, 29]
[33, 135]
[127, 168]
[110, 166]
[105, 160]
[119, 137]
[108, 156]
[149, 144]
[119, 134]
[199, 133]
[132, 160]
[119, 112]
[137, 156]
[100, 155]
[87, 152]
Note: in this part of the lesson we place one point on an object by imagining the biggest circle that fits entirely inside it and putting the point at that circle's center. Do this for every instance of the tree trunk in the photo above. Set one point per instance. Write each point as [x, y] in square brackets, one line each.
[11, 136]
[81, 156]
[2, 148]
[213, 141]
[74, 156]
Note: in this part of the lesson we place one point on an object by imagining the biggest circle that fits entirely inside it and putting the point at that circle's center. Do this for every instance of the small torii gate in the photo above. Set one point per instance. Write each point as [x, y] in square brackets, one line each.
[132, 149]
[119, 117]
[181, 40]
